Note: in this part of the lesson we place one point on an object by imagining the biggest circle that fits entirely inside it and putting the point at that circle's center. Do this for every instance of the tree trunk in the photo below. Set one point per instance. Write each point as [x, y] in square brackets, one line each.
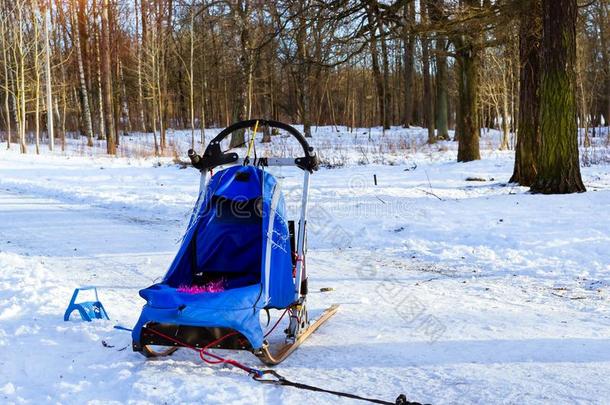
[602, 17]
[267, 98]
[116, 75]
[437, 15]
[107, 81]
[37, 72]
[84, 92]
[20, 61]
[504, 114]
[387, 94]
[408, 42]
[528, 139]
[100, 87]
[428, 100]
[191, 77]
[442, 84]
[303, 77]
[204, 94]
[246, 62]
[558, 162]
[427, 96]
[377, 76]
[83, 38]
[7, 80]
[116, 99]
[164, 34]
[48, 79]
[144, 112]
[468, 125]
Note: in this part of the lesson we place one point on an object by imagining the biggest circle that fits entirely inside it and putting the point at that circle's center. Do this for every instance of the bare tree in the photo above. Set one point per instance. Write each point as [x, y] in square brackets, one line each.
[106, 66]
[408, 43]
[428, 100]
[48, 78]
[528, 140]
[381, 78]
[78, 33]
[558, 166]
[106, 74]
[7, 79]
[19, 59]
[468, 59]
[437, 16]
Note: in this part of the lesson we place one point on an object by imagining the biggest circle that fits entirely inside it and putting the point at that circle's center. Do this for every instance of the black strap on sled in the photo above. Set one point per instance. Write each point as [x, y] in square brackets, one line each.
[277, 379]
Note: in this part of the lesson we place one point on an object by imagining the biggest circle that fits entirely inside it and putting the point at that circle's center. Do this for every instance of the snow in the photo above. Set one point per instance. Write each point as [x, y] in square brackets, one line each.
[451, 291]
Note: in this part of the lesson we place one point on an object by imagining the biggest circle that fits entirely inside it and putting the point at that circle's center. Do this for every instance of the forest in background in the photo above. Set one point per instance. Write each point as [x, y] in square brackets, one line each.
[104, 68]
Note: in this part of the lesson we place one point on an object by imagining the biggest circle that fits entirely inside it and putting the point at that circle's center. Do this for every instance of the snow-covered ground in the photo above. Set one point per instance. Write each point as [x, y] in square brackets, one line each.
[451, 291]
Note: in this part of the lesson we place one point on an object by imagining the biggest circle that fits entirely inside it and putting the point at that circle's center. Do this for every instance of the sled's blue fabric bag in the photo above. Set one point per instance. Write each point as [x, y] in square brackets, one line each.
[238, 234]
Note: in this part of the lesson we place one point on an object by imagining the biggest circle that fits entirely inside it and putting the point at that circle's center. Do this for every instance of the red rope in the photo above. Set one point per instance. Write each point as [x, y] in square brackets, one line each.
[211, 358]
[276, 323]
[203, 352]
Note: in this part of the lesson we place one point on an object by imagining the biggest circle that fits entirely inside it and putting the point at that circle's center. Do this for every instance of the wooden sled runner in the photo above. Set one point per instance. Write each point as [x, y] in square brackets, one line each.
[272, 357]
[157, 336]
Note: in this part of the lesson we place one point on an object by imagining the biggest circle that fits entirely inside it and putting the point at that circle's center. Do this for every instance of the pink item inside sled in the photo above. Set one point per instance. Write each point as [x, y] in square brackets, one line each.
[211, 287]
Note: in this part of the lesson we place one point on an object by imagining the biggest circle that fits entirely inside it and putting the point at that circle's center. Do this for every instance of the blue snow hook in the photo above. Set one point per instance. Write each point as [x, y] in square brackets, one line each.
[88, 310]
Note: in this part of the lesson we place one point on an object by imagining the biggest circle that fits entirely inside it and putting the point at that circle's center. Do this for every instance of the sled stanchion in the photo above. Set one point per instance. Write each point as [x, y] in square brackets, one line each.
[301, 238]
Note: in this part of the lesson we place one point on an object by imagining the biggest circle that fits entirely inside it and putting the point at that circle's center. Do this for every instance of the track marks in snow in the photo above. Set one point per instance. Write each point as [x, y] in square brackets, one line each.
[521, 294]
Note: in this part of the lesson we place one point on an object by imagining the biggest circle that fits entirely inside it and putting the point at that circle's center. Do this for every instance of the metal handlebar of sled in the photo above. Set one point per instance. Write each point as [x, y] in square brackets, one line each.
[214, 156]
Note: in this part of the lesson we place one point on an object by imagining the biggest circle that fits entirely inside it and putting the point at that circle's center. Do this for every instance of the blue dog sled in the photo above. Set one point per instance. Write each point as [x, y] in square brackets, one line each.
[239, 256]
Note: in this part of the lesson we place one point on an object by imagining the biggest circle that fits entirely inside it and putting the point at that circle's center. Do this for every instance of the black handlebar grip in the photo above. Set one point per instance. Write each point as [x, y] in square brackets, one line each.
[195, 158]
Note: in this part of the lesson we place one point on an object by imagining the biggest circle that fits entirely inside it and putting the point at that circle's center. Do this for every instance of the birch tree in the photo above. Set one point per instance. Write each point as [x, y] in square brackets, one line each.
[106, 74]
